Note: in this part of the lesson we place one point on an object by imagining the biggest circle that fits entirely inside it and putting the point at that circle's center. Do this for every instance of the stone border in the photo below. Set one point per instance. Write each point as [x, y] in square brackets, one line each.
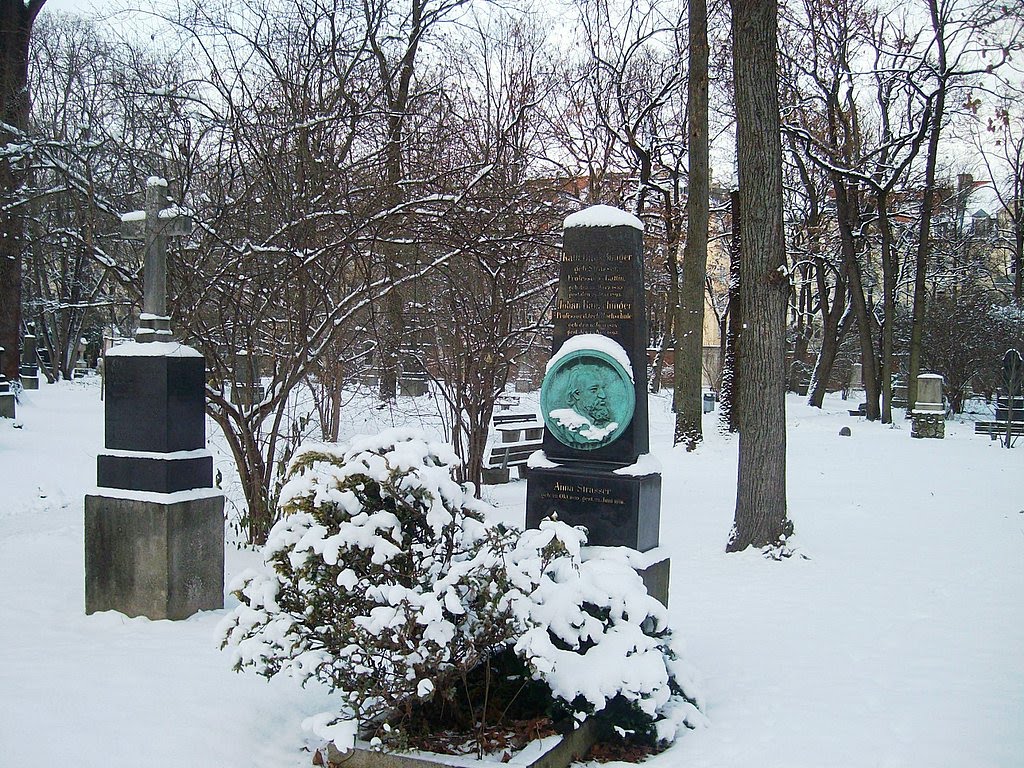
[565, 751]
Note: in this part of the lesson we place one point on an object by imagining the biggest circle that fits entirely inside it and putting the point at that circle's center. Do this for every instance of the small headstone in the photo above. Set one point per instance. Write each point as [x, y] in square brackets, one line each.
[928, 419]
[7, 405]
[857, 377]
[154, 529]
[845, 432]
[81, 367]
[247, 388]
[594, 470]
[29, 370]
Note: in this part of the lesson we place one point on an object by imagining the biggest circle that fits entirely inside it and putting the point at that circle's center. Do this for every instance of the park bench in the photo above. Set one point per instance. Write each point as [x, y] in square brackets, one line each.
[520, 434]
[507, 402]
[996, 429]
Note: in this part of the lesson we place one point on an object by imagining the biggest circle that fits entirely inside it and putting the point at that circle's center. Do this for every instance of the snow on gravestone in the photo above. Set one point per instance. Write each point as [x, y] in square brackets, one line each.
[595, 469]
[154, 529]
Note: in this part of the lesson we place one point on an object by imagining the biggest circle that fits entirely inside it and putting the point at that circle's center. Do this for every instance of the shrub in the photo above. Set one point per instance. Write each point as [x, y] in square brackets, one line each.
[384, 580]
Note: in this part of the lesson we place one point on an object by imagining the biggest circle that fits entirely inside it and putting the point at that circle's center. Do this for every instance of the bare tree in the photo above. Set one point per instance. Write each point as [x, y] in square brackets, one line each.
[16, 20]
[689, 318]
[760, 518]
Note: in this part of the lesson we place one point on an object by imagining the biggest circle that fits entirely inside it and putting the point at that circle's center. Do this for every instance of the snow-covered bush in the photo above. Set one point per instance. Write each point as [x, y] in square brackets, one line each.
[384, 581]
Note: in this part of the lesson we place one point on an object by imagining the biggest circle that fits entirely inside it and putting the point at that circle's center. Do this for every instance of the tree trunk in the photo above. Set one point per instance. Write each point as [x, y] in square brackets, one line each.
[927, 201]
[847, 216]
[889, 274]
[16, 18]
[728, 393]
[760, 518]
[690, 314]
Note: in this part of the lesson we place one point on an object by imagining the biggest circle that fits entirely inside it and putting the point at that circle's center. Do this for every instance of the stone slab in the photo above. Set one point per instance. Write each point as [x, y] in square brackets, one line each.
[160, 475]
[7, 406]
[617, 510]
[601, 290]
[155, 403]
[657, 577]
[569, 749]
[162, 561]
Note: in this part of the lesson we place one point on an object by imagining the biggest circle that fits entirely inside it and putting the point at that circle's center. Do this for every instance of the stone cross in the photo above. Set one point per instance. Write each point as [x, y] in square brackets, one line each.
[154, 226]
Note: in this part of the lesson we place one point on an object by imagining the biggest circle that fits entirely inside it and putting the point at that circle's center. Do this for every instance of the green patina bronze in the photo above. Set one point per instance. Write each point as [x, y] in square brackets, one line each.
[587, 399]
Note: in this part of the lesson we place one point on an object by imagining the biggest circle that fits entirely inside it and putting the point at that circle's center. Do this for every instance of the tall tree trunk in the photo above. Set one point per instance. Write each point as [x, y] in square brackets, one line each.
[836, 318]
[729, 407]
[848, 216]
[689, 323]
[760, 518]
[16, 19]
[889, 274]
[927, 202]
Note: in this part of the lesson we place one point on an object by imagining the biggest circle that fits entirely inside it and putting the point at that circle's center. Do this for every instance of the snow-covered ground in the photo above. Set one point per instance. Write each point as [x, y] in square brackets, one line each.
[897, 641]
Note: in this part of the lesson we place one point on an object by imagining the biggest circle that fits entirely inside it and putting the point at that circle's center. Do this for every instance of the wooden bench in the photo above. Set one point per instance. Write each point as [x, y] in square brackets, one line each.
[996, 429]
[507, 402]
[520, 435]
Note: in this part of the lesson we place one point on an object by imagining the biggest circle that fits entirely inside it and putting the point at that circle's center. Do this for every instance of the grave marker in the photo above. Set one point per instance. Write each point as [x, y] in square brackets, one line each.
[29, 370]
[154, 226]
[154, 530]
[594, 469]
[7, 405]
[928, 419]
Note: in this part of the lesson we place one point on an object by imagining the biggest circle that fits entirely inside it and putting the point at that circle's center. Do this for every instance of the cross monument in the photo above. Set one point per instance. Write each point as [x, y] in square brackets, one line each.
[156, 224]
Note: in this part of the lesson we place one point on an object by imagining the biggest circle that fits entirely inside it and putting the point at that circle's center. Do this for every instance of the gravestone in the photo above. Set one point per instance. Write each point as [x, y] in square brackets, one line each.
[1010, 403]
[7, 406]
[247, 388]
[594, 469]
[928, 419]
[29, 369]
[857, 377]
[154, 529]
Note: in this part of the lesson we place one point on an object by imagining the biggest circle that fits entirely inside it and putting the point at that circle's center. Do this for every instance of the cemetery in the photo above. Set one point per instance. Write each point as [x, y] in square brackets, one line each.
[439, 383]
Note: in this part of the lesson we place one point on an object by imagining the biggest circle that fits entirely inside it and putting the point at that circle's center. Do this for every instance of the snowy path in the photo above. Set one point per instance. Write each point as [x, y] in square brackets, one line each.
[900, 642]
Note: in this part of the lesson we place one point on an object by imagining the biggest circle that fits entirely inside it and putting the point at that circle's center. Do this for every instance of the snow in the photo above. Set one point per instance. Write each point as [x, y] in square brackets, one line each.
[603, 216]
[175, 497]
[587, 341]
[645, 464]
[152, 349]
[892, 638]
[156, 181]
[133, 216]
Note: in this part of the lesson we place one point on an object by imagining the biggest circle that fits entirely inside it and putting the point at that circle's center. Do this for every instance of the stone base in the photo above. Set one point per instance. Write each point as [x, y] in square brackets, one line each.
[497, 476]
[930, 424]
[29, 382]
[569, 749]
[145, 558]
[165, 473]
[7, 405]
[409, 387]
[617, 510]
[657, 578]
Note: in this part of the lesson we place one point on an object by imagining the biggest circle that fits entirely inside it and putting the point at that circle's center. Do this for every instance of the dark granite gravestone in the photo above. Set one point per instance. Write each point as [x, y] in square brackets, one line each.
[594, 470]
[7, 406]
[28, 372]
[154, 530]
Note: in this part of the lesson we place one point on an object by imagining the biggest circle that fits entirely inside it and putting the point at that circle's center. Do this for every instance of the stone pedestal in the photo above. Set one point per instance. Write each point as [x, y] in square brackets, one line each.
[7, 406]
[28, 371]
[163, 560]
[928, 419]
[618, 510]
[413, 385]
[928, 424]
[154, 530]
